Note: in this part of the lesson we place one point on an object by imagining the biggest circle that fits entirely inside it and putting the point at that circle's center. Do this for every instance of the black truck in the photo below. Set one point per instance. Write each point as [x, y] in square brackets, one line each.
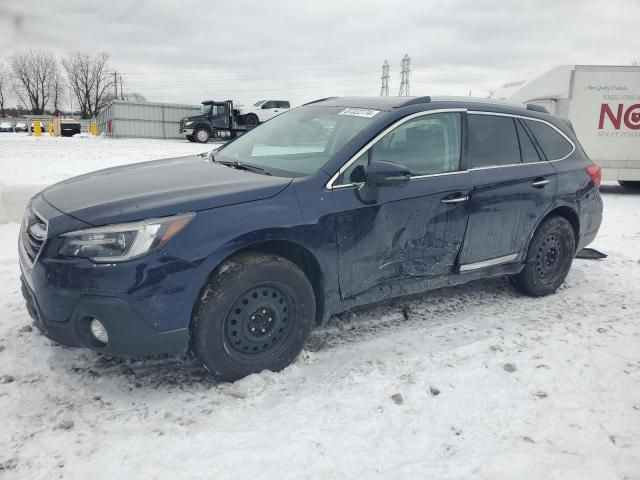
[215, 120]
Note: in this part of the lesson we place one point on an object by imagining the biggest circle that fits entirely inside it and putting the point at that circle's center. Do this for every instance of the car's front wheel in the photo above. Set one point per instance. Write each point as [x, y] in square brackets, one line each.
[255, 314]
[549, 258]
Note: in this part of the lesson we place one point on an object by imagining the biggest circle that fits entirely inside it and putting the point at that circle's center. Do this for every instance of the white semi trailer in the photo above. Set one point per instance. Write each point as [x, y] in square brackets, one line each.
[603, 105]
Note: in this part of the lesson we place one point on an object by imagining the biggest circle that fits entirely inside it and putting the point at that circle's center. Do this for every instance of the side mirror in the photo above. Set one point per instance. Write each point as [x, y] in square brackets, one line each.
[385, 174]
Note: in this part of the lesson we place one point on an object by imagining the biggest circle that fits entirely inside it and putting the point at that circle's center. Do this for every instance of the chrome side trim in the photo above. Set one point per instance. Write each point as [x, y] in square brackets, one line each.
[524, 117]
[347, 164]
[488, 263]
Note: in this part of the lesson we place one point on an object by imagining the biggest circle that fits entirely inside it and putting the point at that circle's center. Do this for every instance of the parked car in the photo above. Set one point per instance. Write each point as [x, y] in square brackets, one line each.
[6, 126]
[261, 111]
[69, 127]
[21, 127]
[333, 205]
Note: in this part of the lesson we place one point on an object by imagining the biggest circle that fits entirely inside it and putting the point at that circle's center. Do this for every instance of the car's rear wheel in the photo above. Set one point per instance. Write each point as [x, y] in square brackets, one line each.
[202, 135]
[629, 183]
[549, 258]
[255, 314]
[251, 119]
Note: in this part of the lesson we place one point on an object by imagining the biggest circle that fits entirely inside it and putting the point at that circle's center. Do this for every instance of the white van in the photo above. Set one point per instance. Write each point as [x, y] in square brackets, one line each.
[603, 104]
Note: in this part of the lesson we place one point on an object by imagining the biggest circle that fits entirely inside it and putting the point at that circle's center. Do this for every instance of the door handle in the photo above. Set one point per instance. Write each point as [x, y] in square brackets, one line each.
[454, 200]
[539, 183]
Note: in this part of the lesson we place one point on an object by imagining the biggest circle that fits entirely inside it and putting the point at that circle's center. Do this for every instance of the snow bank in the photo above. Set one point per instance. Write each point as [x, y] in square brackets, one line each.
[14, 199]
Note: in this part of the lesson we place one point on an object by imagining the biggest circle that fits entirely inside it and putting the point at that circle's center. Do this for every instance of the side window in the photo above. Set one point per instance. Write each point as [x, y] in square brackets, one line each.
[282, 104]
[347, 176]
[554, 145]
[493, 141]
[269, 104]
[527, 149]
[426, 145]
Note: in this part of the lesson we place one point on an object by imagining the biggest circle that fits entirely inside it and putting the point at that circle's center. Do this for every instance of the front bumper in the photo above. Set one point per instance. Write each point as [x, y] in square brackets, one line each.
[144, 304]
[186, 131]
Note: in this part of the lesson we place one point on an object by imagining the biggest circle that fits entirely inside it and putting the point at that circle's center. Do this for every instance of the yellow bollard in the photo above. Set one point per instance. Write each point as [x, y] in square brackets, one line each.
[51, 125]
[37, 128]
[94, 128]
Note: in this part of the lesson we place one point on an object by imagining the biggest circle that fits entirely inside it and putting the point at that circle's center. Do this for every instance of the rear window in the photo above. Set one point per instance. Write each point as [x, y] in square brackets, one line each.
[553, 144]
[527, 149]
[493, 141]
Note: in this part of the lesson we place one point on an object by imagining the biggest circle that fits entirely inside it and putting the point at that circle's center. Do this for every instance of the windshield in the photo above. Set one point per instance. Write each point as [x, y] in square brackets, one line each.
[298, 142]
[258, 103]
[204, 109]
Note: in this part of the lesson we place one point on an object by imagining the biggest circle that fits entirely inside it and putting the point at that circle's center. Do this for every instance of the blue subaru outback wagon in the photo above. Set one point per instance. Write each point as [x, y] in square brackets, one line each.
[342, 202]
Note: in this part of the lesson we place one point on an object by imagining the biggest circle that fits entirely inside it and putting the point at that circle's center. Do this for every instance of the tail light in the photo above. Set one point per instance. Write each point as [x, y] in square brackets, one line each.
[595, 172]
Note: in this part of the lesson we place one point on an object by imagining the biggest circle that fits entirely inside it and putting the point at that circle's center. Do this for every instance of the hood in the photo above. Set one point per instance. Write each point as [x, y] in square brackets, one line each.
[158, 188]
[247, 109]
[193, 118]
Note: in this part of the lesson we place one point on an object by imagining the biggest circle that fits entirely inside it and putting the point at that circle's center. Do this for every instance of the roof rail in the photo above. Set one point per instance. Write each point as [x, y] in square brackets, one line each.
[319, 100]
[415, 101]
[536, 108]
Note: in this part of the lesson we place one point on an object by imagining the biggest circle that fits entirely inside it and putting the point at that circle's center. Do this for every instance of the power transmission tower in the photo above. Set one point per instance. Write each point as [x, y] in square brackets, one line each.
[384, 89]
[405, 73]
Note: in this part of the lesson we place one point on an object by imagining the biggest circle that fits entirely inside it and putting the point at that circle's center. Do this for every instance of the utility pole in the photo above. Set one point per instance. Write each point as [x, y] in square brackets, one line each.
[405, 73]
[115, 84]
[121, 91]
[384, 89]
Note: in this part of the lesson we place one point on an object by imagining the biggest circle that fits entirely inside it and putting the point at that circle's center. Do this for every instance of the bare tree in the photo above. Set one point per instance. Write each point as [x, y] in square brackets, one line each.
[4, 87]
[57, 90]
[635, 62]
[33, 73]
[90, 79]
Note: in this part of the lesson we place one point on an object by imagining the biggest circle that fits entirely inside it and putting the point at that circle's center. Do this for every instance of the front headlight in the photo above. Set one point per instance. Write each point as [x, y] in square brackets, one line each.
[124, 241]
[188, 122]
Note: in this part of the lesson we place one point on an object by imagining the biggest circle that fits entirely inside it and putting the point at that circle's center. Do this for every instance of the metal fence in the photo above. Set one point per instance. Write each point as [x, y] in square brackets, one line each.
[125, 119]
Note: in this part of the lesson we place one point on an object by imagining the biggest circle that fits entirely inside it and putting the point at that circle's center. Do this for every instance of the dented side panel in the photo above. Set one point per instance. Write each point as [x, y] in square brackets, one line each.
[406, 232]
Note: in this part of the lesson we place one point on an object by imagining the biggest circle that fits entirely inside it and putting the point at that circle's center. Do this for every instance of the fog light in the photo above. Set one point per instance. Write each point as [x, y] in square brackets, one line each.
[98, 331]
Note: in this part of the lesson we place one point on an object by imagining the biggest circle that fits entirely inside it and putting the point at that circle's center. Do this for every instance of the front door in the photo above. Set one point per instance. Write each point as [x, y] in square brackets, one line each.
[408, 231]
[512, 188]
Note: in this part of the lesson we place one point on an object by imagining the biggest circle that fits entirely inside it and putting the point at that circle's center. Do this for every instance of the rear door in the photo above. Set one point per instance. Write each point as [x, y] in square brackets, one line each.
[513, 186]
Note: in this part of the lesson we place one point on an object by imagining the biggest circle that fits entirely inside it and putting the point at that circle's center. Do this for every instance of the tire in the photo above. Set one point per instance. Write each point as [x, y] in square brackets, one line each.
[255, 314]
[201, 135]
[549, 258]
[251, 120]
[190, 138]
[629, 183]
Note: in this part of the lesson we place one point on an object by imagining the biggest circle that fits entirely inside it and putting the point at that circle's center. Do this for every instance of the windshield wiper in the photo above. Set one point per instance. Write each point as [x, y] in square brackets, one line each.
[242, 166]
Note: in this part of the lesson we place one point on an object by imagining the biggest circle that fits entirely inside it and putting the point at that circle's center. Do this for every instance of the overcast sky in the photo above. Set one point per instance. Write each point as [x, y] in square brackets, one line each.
[187, 51]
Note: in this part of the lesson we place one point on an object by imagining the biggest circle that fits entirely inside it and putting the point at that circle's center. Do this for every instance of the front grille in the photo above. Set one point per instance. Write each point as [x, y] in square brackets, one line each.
[33, 235]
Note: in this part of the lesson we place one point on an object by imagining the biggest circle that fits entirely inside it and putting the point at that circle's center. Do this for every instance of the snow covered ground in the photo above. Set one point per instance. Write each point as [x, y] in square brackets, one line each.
[29, 159]
[472, 382]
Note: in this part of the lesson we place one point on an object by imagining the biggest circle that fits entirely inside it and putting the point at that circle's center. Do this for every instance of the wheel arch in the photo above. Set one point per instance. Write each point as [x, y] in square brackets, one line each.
[567, 212]
[292, 251]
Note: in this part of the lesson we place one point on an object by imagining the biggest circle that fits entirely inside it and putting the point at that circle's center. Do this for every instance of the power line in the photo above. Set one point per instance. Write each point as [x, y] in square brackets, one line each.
[405, 73]
[384, 89]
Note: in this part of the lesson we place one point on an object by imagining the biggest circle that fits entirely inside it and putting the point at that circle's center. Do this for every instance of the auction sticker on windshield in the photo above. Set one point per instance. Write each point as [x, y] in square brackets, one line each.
[359, 112]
